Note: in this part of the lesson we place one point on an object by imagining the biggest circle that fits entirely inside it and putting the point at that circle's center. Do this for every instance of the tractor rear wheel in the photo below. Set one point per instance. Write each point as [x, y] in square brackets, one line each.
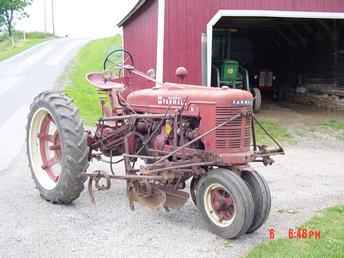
[226, 203]
[261, 197]
[257, 104]
[56, 148]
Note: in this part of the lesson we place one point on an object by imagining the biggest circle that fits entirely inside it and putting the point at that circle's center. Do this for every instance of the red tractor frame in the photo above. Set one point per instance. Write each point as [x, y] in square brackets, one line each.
[181, 133]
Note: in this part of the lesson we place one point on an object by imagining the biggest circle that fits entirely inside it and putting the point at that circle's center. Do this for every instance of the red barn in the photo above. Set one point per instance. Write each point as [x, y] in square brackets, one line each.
[301, 41]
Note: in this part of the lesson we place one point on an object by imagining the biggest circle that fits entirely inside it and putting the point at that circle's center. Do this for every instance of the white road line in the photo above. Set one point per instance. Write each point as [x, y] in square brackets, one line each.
[8, 83]
[59, 57]
[13, 136]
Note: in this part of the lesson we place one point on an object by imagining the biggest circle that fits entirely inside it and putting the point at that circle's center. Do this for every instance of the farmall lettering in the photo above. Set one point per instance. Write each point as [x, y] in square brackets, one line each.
[170, 100]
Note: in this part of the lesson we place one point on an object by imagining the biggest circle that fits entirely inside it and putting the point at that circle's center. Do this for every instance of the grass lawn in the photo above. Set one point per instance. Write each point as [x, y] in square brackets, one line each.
[275, 129]
[337, 127]
[331, 244]
[89, 59]
[7, 50]
[334, 124]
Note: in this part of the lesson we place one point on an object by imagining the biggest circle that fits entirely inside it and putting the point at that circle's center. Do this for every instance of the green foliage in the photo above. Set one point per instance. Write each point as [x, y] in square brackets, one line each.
[2, 22]
[19, 35]
[11, 10]
[37, 35]
[89, 59]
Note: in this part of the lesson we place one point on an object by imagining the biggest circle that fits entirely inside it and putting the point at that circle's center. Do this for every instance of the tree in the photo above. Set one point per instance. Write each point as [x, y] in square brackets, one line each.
[11, 10]
[2, 20]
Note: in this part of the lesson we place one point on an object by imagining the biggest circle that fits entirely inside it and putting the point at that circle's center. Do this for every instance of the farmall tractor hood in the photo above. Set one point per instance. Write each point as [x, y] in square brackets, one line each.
[173, 96]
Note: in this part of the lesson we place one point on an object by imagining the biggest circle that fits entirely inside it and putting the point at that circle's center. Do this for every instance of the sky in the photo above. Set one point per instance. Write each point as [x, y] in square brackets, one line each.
[77, 18]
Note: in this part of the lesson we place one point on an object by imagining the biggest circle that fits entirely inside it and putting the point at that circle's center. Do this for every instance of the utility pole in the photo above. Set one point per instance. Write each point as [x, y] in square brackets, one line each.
[53, 15]
[45, 16]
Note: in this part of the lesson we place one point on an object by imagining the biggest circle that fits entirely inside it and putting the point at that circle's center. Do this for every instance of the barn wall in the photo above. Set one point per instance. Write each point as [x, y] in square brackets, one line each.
[140, 39]
[185, 22]
[339, 55]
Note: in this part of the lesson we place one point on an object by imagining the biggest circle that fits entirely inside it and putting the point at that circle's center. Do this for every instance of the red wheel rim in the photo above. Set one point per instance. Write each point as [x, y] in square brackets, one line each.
[219, 205]
[50, 147]
[223, 204]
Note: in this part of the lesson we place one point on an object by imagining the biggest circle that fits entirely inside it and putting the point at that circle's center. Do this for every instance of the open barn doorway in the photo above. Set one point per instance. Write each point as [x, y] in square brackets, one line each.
[286, 58]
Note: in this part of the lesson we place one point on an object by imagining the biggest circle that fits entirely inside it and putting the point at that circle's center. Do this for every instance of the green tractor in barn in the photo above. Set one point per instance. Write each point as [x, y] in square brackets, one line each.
[231, 74]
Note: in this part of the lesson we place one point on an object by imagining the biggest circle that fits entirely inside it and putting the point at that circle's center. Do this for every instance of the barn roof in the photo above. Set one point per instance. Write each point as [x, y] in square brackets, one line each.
[138, 5]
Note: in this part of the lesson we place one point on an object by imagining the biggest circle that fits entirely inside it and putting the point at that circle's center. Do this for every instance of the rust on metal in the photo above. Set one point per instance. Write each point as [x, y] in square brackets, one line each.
[175, 138]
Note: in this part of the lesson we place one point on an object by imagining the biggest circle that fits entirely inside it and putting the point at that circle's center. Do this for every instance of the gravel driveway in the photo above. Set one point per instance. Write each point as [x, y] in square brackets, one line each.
[304, 181]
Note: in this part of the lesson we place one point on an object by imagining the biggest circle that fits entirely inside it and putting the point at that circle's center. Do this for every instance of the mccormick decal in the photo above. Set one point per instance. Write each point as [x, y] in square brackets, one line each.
[170, 100]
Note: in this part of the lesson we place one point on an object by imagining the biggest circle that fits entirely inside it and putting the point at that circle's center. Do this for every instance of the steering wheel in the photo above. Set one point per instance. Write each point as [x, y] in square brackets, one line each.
[115, 61]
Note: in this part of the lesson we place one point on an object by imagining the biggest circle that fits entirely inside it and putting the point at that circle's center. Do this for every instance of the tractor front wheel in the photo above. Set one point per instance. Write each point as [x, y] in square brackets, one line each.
[56, 148]
[226, 203]
[261, 197]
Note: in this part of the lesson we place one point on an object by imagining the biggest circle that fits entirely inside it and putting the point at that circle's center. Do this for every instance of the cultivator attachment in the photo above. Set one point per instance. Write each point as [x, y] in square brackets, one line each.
[153, 200]
[158, 198]
[140, 190]
[176, 199]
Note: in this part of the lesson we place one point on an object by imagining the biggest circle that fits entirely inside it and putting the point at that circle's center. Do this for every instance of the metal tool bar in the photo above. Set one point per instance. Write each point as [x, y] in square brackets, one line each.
[140, 156]
[136, 116]
[127, 177]
[198, 164]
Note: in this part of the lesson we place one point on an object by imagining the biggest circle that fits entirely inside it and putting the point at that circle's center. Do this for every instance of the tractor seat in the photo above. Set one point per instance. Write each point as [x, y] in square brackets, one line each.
[100, 81]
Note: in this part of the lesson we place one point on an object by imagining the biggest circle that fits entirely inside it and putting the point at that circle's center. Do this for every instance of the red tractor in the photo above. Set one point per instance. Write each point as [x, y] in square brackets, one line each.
[179, 132]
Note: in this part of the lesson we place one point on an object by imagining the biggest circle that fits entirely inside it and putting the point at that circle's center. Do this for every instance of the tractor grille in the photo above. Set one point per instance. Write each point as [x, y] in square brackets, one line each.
[234, 136]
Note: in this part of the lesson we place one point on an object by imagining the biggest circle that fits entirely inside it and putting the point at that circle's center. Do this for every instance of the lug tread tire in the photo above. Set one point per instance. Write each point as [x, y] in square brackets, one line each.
[193, 190]
[240, 193]
[74, 160]
[257, 104]
[262, 198]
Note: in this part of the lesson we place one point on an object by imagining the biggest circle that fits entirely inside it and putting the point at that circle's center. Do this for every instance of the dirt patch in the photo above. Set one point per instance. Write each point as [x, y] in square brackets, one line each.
[295, 115]
[305, 124]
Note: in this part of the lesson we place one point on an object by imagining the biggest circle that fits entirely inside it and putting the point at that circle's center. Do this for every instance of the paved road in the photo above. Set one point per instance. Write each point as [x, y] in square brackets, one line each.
[23, 77]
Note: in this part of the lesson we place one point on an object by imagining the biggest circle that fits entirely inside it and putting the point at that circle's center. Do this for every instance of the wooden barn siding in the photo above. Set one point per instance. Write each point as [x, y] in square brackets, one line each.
[340, 60]
[140, 39]
[186, 20]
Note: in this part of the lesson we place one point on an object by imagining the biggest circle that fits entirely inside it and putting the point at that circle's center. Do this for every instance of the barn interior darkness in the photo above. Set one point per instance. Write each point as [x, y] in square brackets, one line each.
[298, 52]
